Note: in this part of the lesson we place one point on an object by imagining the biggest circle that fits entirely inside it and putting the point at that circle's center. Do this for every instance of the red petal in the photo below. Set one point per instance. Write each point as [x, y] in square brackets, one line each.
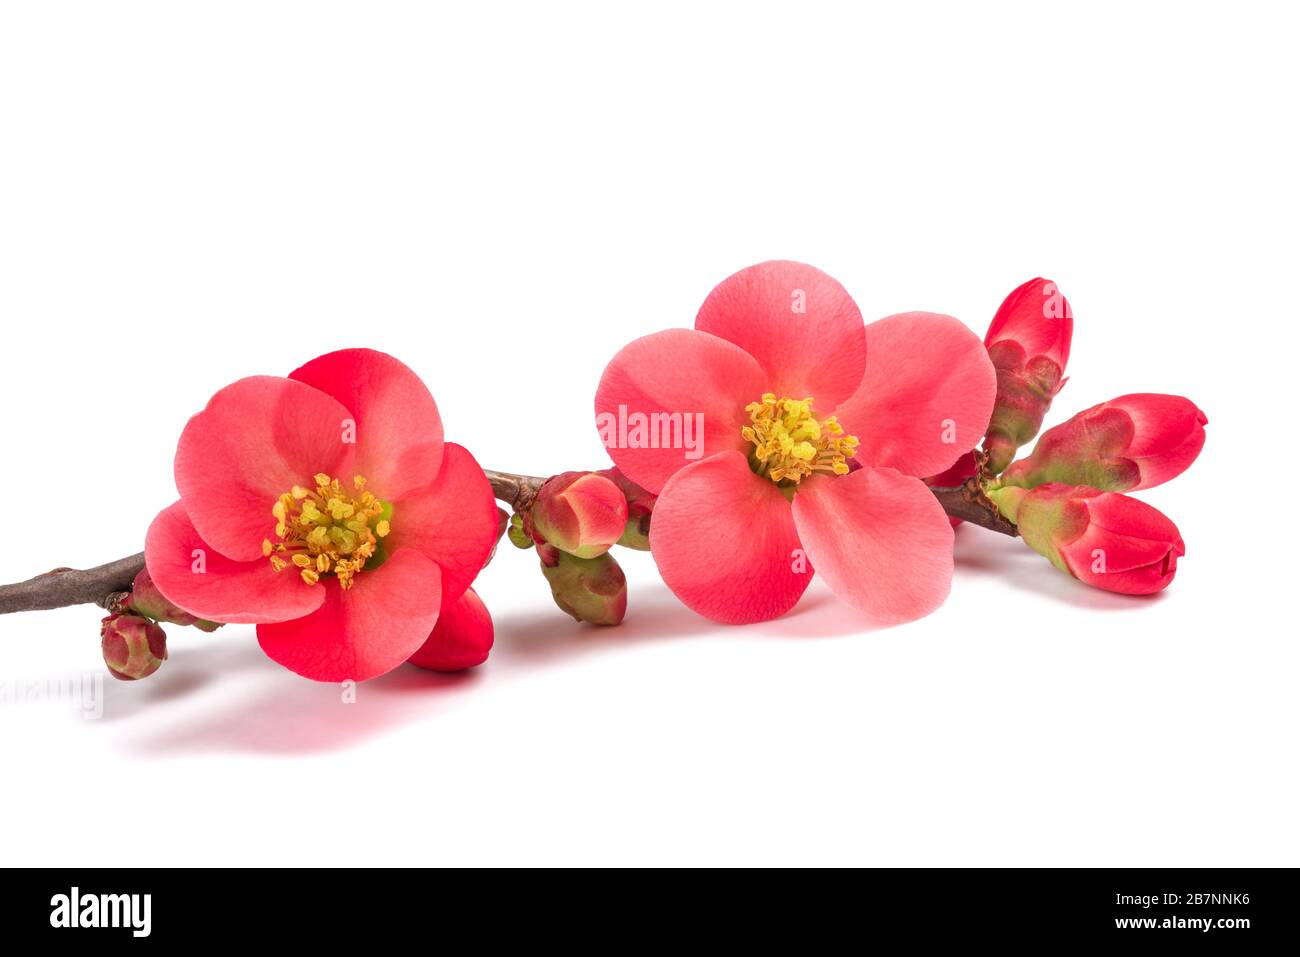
[224, 590]
[880, 539]
[725, 542]
[926, 397]
[256, 439]
[461, 639]
[398, 429]
[453, 521]
[818, 352]
[697, 377]
[365, 631]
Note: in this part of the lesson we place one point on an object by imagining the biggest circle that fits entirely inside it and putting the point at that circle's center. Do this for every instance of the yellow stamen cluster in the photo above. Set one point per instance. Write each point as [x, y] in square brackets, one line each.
[326, 530]
[790, 444]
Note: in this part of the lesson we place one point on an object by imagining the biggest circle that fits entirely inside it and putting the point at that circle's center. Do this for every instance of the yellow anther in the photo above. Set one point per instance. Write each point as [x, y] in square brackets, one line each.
[790, 443]
[326, 530]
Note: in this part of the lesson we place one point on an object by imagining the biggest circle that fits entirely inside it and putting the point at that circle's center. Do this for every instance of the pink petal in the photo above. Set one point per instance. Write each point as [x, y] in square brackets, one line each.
[818, 352]
[198, 578]
[256, 439]
[880, 539]
[725, 542]
[365, 631]
[926, 397]
[696, 378]
[452, 521]
[398, 429]
[461, 639]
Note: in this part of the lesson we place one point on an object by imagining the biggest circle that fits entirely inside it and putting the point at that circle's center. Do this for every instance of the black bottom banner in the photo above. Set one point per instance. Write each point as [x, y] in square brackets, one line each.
[1222, 909]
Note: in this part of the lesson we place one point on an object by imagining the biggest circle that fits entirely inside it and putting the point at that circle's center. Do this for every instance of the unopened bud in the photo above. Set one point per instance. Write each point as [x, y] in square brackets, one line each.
[1104, 539]
[1029, 344]
[581, 513]
[593, 590]
[461, 638]
[133, 647]
[1129, 443]
[145, 599]
[640, 506]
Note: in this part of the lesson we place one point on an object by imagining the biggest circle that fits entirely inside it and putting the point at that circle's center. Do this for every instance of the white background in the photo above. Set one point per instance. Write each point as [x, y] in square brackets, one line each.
[502, 197]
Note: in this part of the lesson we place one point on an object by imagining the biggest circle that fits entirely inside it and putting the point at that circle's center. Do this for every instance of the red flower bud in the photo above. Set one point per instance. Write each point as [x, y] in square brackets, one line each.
[461, 638]
[133, 647]
[1129, 443]
[640, 506]
[593, 590]
[147, 600]
[1029, 343]
[1104, 539]
[581, 513]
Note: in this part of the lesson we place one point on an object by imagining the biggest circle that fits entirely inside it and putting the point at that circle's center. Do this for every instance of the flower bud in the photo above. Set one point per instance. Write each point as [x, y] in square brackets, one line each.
[133, 647]
[640, 506]
[1104, 539]
[1029, 343]
[461, 638]
[145, 599]
[581, 513]
[1129, 443]
[593, 590]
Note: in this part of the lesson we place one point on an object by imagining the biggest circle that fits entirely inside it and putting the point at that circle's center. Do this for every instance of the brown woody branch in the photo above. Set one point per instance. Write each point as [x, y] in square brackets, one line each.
[72, 586]
[969, 503]
[105, 585]
[517, 491]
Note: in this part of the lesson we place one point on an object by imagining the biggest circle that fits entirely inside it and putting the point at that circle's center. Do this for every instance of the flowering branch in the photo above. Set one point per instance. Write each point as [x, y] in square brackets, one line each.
[105, 585]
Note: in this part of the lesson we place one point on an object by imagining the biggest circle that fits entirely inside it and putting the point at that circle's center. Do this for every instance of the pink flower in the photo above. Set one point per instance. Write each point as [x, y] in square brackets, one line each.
[1129, 443]
[745, 428]
[326, 509]
[1104, 539]
[1029, 343]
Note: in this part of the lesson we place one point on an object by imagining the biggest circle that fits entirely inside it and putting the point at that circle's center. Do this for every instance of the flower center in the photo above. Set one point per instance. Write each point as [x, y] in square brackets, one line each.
[328, 530]
[790, 443]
